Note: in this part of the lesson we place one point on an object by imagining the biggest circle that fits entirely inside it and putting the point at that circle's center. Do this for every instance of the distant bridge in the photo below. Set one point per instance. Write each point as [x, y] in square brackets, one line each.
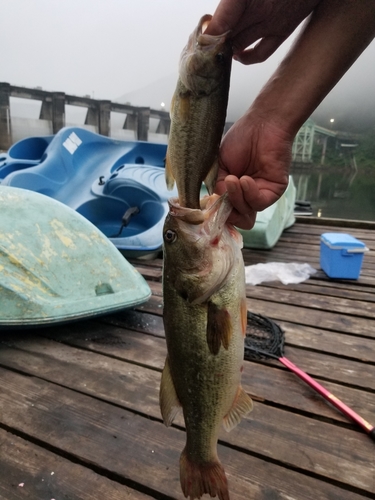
[133, 122]
[52, 117]
[305, 140]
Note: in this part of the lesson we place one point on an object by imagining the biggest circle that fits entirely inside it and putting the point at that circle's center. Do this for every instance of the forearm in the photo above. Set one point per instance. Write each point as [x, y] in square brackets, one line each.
[332, 39]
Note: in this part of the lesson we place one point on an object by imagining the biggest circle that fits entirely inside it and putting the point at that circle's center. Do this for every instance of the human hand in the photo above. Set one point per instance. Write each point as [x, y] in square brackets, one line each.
[268, 21]
[254, 160]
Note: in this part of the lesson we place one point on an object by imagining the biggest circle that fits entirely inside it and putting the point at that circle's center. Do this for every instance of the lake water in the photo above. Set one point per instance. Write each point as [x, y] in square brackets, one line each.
[339, 194]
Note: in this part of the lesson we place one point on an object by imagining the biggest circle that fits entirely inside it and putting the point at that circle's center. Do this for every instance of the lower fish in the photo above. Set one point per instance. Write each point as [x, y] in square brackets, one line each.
[205, 318]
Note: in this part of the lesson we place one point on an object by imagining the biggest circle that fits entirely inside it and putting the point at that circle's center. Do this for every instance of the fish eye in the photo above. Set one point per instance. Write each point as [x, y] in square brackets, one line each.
[170, 236]
[220, 57]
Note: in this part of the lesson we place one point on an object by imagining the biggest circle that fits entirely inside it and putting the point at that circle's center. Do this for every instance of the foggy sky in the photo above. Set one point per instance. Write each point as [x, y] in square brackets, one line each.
[109, 49]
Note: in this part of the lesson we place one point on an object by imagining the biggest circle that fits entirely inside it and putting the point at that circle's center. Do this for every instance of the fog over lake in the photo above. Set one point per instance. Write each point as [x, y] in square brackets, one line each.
[129, 51]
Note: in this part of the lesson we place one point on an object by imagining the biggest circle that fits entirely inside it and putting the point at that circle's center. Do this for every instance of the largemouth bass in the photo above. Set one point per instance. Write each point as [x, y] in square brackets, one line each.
[198, 112]
[205, 319]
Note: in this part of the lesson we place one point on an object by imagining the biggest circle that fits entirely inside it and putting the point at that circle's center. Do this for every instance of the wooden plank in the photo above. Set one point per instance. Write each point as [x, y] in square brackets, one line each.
[30, 471]
[349, 346]
[149, 272]
[313, 318]
[325, 320]
[318, 226]
[325, 288]
[146, 452]
[322, 365]
[335, 369]
[132, 447]
[353, 307]
[336, 288]
[42, 358]
[355, 347]
[263, 383]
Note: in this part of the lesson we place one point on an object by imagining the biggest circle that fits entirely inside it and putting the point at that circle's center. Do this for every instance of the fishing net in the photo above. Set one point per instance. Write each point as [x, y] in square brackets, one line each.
[265, 339]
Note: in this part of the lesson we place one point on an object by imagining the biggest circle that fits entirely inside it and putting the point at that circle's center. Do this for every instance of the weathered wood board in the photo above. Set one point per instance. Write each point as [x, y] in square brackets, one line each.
[79, 411]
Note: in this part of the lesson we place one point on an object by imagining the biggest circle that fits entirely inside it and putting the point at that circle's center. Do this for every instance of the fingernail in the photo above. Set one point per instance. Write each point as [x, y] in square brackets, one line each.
[244, 184]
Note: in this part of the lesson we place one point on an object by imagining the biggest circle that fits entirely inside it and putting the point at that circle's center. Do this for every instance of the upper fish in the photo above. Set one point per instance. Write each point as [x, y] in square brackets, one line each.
[198, 112]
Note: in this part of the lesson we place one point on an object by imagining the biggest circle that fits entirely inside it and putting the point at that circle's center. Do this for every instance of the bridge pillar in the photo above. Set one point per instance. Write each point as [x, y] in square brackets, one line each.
[58, 111]
[92, 116]
[5, 122]
[130, 122]
[46, 109]
[143, 124]
[104, 125]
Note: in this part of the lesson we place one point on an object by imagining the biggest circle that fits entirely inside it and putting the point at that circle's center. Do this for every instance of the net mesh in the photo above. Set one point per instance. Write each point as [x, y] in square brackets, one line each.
[264, 338]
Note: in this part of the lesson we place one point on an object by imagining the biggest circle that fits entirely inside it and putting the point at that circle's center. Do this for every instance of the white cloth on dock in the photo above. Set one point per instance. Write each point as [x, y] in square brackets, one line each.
[291, 272]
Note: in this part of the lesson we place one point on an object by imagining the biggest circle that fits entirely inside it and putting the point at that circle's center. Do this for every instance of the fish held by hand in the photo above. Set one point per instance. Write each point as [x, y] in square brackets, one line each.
[198, 112]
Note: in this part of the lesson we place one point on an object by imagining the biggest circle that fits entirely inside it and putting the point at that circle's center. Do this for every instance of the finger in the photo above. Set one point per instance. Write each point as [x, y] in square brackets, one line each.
[243, 221]
[261, 51]
[257, 197]
[236, 195]
[226, 17]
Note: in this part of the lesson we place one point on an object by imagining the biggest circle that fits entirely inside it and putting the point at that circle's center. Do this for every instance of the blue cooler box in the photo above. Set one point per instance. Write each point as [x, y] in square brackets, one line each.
[341, 255]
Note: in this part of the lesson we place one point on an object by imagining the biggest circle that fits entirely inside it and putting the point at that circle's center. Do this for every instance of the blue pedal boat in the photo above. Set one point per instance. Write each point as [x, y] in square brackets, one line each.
[119, 186]
[55, 266]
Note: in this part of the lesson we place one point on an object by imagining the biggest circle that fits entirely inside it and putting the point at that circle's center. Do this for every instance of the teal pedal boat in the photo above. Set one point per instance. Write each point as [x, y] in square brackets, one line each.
[56, 266]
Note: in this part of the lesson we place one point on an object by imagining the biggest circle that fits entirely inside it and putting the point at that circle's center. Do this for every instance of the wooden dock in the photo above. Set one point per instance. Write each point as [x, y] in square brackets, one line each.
[79, 412]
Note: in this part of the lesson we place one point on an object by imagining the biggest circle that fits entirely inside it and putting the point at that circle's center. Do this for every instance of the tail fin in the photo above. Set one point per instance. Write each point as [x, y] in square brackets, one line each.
[198, 479]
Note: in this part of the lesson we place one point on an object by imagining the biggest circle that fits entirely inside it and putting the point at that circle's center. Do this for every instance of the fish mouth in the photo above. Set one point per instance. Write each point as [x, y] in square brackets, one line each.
[208, 41]
[200, 49]
[212, 217]
[216, 210]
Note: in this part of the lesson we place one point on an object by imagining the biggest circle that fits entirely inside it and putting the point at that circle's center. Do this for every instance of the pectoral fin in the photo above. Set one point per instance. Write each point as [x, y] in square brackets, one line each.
[242, 405]
[219, 328]
[169, 403]
[169, 178]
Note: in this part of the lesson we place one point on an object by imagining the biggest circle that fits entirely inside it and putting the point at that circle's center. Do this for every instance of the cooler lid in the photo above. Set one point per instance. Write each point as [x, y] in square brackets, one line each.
[338, 241]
